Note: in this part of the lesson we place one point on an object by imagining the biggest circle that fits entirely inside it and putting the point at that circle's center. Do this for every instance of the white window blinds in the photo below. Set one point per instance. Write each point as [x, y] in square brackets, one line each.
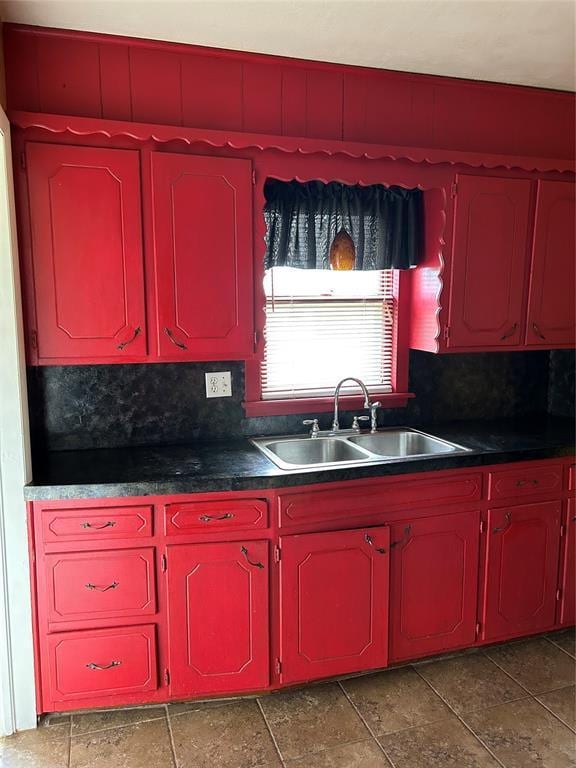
[322, 326]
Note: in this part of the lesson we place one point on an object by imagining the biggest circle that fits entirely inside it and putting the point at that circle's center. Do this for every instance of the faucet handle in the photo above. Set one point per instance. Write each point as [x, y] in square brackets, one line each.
[314, 424]
[357, 419]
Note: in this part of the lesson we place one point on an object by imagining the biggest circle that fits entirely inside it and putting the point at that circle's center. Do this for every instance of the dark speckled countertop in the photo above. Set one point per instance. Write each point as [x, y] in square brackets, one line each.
[238, 465]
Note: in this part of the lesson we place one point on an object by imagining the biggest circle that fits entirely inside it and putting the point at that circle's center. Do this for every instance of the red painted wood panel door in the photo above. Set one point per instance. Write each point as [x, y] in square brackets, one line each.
[568, 609]
[203, 252]
[433, 584]
[218, 617]
[334, 603]
[551, 313]
[521, 575]
[87, 253]
[489, 262]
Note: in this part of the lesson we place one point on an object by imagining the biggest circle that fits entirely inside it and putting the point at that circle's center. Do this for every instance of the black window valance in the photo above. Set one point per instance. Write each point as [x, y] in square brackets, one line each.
[385, 223]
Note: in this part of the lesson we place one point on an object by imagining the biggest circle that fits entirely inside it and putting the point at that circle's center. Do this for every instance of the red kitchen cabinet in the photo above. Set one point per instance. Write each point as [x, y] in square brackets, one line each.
[489, 262]
[568, 583]
[434, 583]
[334, 602]
[218, 617]
[521, 571]
[86, 254]
[551, 313]
[202, 208]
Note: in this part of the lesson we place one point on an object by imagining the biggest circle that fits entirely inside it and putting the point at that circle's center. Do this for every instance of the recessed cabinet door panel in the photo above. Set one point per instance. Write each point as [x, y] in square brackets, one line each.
[334, 603]
[87, 252]
[489, 262]
[551, 313]
[568, 608]
[434, 582]
[218, 617]
[203, 251]
[521, 569]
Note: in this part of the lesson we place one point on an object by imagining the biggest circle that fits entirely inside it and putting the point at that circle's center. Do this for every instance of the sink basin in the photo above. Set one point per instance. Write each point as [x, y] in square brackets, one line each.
[403, 442]
[307, 452]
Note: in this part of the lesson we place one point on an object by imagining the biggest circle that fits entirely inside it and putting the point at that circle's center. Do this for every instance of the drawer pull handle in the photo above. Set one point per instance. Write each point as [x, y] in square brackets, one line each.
[404, 539]
[102, 589]
[174, 340]
[509, 332]
[538, 332]
[507, 523]
[211, 518]
[370, 540]
[134, 336]
[109, 524]
[92, 665]
[250, 562]
[522, 483]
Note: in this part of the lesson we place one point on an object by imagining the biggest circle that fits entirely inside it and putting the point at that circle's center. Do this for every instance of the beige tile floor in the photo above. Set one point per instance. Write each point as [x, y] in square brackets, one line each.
[511, 705]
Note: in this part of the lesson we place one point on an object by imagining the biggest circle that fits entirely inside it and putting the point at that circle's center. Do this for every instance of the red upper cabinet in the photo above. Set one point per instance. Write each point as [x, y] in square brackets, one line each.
[551, 315]
[334, 603]
[434, 582]
[521, 570]
[86, 254]
[202, 208]
[491, 221]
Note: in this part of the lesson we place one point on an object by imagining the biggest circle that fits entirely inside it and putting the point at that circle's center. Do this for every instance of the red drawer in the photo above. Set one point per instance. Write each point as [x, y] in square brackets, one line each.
[208, 516]
[94, 523]
[316, 506]
[102, 662]
[525, 481]
[100, 585]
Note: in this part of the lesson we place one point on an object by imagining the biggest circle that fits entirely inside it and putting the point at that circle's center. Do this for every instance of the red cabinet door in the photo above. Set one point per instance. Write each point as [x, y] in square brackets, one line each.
[568, 607]
[551, 315]
[334, 603]
[433, 584]
[202, 210]
[521, 573]
[489, 262]
[218, 617]
[87, 253]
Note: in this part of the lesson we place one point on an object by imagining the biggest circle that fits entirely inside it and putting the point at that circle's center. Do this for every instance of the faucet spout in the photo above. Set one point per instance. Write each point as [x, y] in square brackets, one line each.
[335, 422]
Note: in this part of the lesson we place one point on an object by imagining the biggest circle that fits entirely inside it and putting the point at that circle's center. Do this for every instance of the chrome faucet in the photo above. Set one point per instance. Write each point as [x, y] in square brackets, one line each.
[335, 422]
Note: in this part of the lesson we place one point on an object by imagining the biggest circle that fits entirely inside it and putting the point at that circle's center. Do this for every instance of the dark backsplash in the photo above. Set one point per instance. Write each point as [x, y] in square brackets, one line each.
[102, 406]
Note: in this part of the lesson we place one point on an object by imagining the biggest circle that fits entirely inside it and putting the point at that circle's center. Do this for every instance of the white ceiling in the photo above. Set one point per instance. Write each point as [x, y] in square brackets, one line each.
[530, 42]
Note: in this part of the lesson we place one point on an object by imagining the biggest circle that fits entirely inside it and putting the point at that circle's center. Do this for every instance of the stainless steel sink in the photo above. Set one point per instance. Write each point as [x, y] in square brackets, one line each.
[403, 442]
[297, 452]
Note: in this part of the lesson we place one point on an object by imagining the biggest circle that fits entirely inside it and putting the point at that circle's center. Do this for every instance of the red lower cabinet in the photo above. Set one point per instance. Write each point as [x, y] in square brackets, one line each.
[434, 581]
[334, 602]
[521, 574]
[568, 588]
[218, 617]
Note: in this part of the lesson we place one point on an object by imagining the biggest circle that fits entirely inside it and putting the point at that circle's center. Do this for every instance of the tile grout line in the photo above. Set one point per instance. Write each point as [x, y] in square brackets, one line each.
[269, 729]
[70, 743]
[113, 727]
[170, 736]
[550, 640]
[528, 691]
[370, 731]
[464, 723]
[552, 711]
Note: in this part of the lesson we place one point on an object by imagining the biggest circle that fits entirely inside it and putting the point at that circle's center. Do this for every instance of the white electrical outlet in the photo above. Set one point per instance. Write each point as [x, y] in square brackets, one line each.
[218, 384]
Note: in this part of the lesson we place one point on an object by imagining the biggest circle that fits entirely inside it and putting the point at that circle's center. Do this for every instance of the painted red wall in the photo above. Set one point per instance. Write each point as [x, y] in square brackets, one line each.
[77, 73]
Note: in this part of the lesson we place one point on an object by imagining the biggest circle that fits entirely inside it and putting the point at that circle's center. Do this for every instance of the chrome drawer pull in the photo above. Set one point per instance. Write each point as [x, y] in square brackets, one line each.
[103, 589]
[109, 524]
[507, 523]
[174, 340]
[105, 666]
[522, 483]
[509, 333]
[404, 539]
[211, 518]
[136, 333]
[370, 540]
[250, 562]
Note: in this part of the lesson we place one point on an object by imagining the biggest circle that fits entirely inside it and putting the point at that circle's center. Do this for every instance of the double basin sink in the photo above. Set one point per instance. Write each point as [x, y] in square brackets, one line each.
[351, 449]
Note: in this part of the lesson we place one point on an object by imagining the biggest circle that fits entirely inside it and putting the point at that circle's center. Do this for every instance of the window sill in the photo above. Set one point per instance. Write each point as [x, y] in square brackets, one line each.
[322, 404]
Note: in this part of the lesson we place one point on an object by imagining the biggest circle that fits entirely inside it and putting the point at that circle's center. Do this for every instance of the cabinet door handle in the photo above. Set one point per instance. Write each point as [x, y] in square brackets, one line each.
[404, 539]
[250, 562]
[174, 341]
[212, 518]
[509, 333]
[109, 524]
[522, 483]
[538, 332]
[370, 540]
[102, 589]
[507, 523]
[137, 332]
[92, 665]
